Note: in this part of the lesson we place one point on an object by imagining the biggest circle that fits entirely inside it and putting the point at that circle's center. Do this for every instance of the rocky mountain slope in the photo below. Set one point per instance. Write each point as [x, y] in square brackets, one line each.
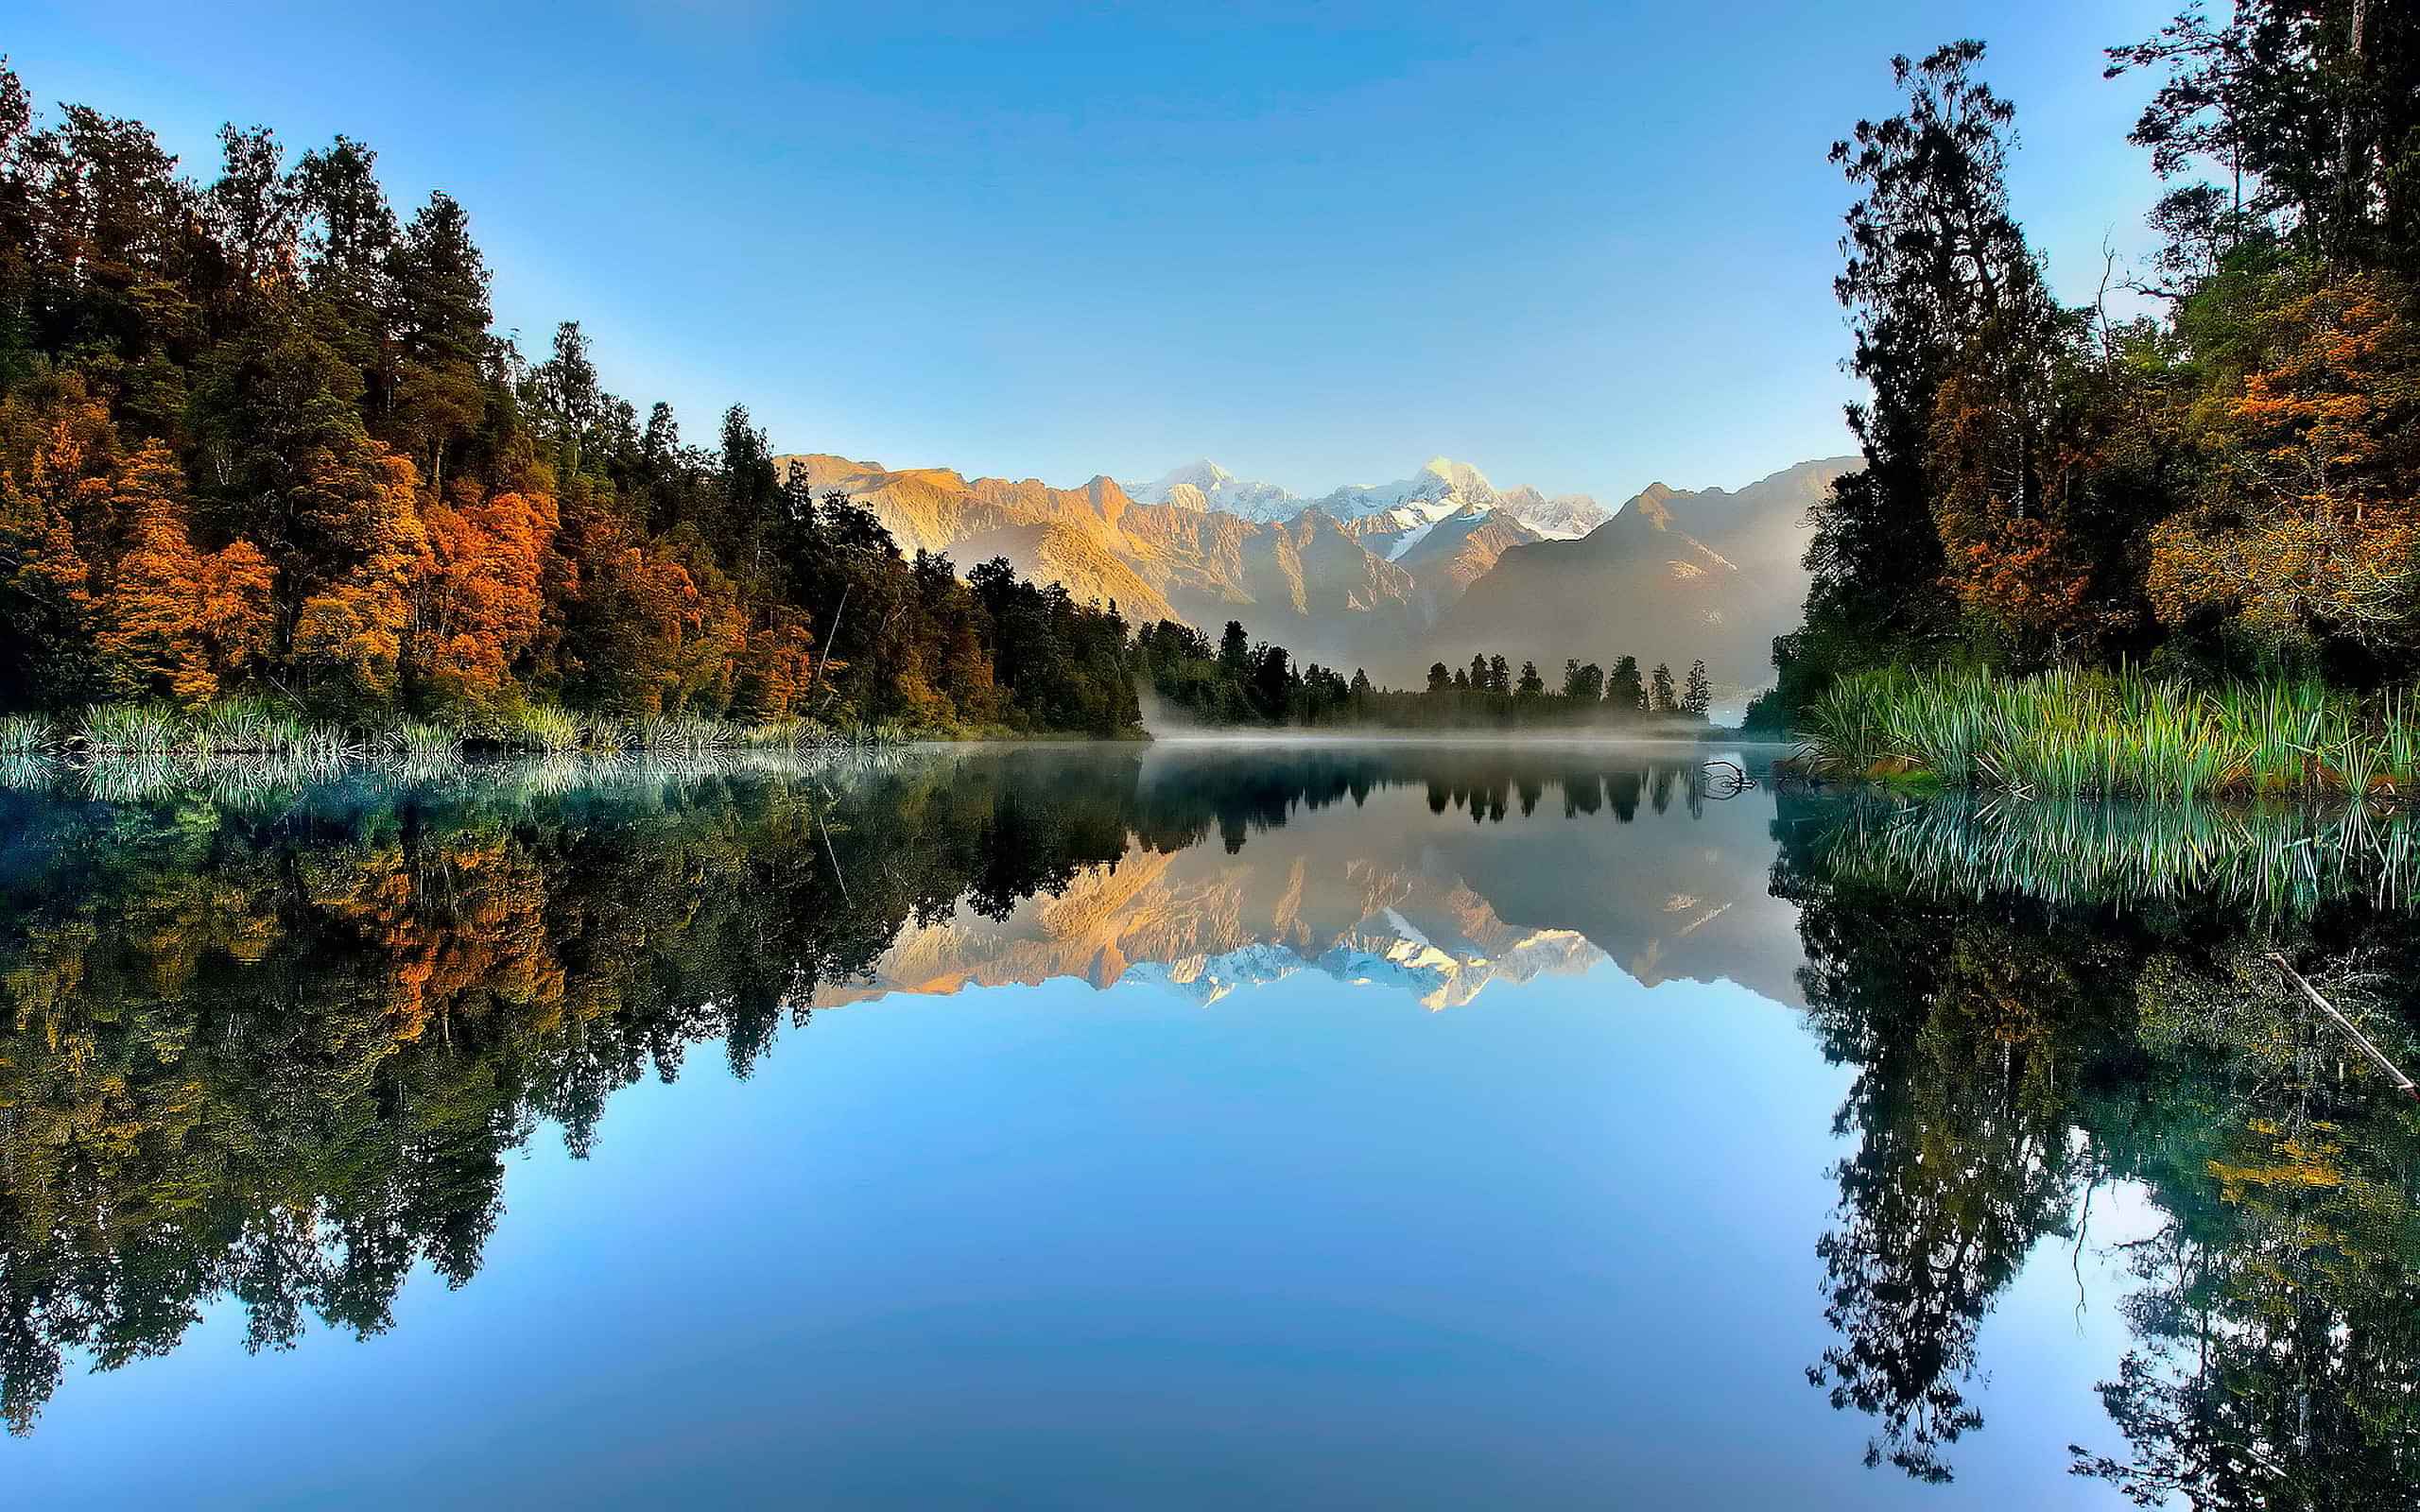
[1672, 576]
[1427, 904]
[1389, 576]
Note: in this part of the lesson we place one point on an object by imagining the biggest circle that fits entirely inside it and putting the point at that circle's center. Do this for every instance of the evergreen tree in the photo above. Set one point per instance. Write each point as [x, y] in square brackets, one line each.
[1624, 689]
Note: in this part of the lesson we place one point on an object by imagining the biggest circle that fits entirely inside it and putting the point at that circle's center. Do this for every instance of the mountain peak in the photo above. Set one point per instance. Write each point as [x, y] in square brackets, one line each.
[1459, 476]
[1202, 485]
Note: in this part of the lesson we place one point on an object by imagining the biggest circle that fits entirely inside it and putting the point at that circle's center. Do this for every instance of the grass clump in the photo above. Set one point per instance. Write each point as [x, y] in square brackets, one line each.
[685, 735]
[424, 740]
[25, 735]
[541, 729]
[130, 729]
[2071, 733]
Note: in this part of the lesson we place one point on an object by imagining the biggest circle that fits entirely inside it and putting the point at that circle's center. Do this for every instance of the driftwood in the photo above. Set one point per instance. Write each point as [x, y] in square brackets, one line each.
[2360, 1040]
[829, 631]
[1724, 778]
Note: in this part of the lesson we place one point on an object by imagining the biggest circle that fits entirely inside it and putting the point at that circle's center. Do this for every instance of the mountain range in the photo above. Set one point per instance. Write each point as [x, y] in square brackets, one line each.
[1423, 903]
[1389, 576]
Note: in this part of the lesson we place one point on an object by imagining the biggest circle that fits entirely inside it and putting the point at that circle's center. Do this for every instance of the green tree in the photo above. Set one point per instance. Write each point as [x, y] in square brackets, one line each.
[1625, 693]
[1932, 259]
[1661, 698]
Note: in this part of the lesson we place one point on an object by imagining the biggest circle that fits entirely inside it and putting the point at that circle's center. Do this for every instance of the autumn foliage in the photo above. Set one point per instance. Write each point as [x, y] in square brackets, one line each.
[2228, 487]
[257, 438]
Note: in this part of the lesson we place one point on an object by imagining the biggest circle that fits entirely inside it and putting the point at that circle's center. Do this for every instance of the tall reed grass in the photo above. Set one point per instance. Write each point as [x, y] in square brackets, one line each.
[137, 751]
[2075, 733]
[2275, 858]
[25, 735]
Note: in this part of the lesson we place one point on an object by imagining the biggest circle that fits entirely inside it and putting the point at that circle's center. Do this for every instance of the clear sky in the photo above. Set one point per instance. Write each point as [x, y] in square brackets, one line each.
[1584, 248]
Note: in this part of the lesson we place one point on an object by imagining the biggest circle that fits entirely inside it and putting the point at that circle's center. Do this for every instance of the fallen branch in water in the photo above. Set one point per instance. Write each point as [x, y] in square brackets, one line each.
[2377, 1057]
[1726, 779]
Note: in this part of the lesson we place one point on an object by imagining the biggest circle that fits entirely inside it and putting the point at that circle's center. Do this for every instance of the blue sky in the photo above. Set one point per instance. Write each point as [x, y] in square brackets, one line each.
[1584, 248]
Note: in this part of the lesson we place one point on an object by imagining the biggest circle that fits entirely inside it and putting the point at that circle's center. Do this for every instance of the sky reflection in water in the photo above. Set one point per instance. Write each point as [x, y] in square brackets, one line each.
[1122, 1159]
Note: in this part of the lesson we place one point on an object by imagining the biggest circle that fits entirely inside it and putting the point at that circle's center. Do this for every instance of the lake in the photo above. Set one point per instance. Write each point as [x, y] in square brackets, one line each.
[1316, 1126]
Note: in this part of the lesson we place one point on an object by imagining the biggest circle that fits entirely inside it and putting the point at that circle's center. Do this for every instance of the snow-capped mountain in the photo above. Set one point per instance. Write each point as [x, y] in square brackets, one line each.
[1441, 488]
[1204, 485]
[1375, 577]
[1564, 517]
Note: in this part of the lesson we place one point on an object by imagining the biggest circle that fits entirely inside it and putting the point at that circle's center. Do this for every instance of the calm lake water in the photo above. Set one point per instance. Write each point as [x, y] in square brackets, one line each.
[1346, 1126]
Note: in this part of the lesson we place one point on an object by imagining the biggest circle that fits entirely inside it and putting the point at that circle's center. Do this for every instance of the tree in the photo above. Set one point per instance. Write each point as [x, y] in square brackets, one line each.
[54, 470]
[1499, 676]
[256, 436]
[1698, 696]
[1625, 693]
[1234, 650]
[438, 290]
[2309, 541]
[1532, 685]
[1440, 679]
[2308, 109]
[1661, 699]
[1933, 260]
[174, 620]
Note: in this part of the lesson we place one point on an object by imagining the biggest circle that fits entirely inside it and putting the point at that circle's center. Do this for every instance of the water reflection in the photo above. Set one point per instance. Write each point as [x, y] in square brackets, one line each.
[2044, 1004]
[275, 1045]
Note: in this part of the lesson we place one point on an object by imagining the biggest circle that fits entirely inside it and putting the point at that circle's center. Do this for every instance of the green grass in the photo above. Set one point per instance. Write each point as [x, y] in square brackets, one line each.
[2277, 858]
[131, 729]
[2073, 733]
[25, 735]
[246, 746]
[541, 729]
[422, 740]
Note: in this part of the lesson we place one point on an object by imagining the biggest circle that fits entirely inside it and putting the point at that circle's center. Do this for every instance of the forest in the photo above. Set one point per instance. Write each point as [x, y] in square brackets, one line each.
[1241, 682]
[2222, 485]
[260, 444]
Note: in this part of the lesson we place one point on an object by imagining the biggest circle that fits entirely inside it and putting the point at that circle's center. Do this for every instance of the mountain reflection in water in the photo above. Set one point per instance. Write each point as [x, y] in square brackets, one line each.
[274, 1047]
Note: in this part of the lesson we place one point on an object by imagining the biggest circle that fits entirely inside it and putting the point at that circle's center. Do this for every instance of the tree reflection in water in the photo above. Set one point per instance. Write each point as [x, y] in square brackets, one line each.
[2041, 1002]
[276, 1046]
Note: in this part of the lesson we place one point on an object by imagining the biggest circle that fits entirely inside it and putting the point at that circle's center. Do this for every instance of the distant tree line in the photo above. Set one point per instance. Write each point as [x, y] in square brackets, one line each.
[1241, 682]
[257, 439]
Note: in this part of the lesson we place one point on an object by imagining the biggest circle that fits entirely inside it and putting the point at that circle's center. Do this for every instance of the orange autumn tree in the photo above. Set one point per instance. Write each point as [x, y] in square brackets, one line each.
[2003, 480]
[2312, 527]
[435, 524]
[175, 620]
[483, 600]
[349, 636]
[54, 452]
[772, 674]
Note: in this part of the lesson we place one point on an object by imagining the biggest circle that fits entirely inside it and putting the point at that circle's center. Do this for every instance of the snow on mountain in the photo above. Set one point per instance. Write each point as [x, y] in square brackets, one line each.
[1442, 481]
[1402, 959]
[1395, 512]
[1204, 485]
[1564, 517]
